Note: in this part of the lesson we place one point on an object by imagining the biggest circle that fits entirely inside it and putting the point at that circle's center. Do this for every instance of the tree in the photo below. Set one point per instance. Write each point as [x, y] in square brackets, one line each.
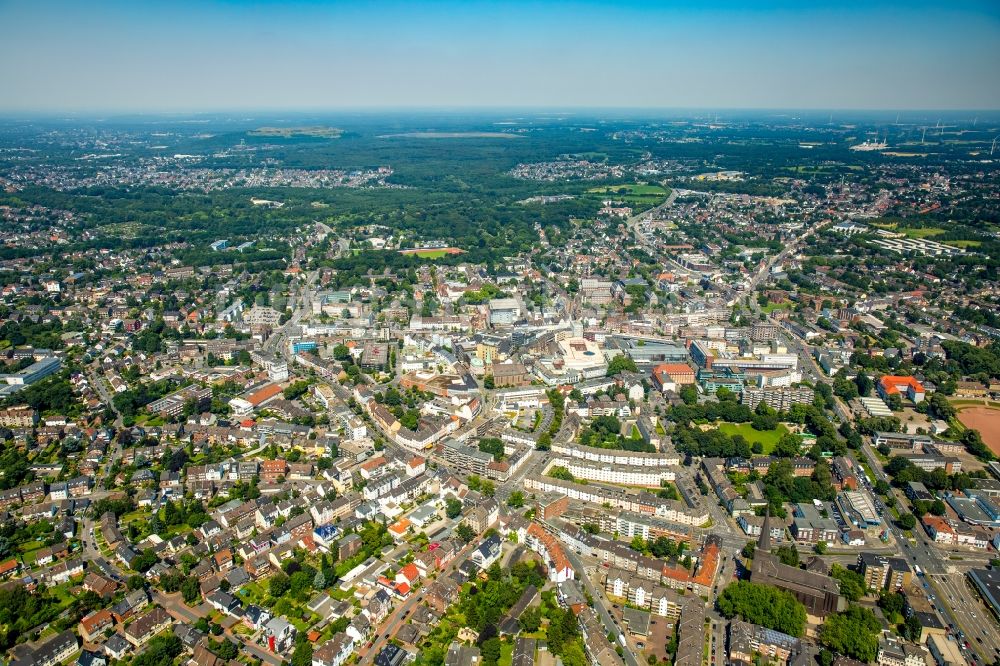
[544, 442]
[144, 561]
[489, 383]
[789, 446]
[160, 651]
[296, 390]
[852, 584]
[488, 488]
[452, 507]
[303, 654]
[516, 500]
[853, 633]
[845, 388]
[892, 604]
[279, 585]
[493, 446]
[300, 582]
[621, 363]
[788, 555]
[465, 532]
[190, 590]
[226, 650]
[974, 444]
[864, 384]
[907, 521]
[764, 605]
[490, 650]
[911, 629]
[531, 619]
[319, 581]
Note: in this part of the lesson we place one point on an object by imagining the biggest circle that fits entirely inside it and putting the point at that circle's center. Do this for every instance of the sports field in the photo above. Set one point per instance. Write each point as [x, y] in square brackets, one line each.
[433, 253]
[986, 420]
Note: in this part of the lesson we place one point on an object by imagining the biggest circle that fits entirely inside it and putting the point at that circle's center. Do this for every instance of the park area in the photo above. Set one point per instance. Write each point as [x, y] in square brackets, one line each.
[984, 418]
[432, 253]
[767, 438]
[636, 195]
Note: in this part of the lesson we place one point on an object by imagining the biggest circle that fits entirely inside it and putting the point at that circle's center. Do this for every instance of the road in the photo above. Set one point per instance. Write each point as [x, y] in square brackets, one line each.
[955, 596]
[398, 616]
[602, 611]
[956, 604]
[300, 307]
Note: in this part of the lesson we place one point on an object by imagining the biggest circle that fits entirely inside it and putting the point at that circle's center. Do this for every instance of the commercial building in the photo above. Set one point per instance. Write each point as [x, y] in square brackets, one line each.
[987, 583]
[672, 376]
[857, 507]
[36, 371]
[809, 525]
[504, 311]
[764, 331]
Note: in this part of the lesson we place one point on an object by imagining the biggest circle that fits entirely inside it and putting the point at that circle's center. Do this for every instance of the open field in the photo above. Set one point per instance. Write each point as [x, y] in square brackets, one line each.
[639, 196]
[921, 232]
[771, 307]
[432, 252]
[634, 190]
[767, 438]
[986, 420]
[317, 132]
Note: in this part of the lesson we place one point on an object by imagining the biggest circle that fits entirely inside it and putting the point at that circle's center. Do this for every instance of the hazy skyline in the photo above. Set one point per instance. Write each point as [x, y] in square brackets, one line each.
[218, 55]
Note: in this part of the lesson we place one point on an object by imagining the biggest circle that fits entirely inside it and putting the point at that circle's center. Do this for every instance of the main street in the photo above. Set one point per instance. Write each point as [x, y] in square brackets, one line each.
[958, 605]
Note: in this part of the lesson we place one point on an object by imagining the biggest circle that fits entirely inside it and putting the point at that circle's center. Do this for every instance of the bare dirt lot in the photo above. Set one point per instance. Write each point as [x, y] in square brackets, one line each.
[987, 421]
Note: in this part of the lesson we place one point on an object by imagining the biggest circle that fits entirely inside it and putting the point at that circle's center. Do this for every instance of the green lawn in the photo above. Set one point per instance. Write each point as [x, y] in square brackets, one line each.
[767, 438]
[634, 190]
[771, 307]
[506, 654]
[920, 232]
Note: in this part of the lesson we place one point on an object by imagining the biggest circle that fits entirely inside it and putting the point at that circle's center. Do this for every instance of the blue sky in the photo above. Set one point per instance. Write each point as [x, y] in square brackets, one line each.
[216, 55]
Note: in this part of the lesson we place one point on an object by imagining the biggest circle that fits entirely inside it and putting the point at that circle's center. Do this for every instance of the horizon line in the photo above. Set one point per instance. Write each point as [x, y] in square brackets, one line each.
[93, 112]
